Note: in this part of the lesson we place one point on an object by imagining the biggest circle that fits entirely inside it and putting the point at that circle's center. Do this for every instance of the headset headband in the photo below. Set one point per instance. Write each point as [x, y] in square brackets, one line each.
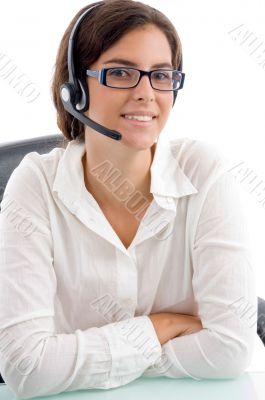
[71, 45]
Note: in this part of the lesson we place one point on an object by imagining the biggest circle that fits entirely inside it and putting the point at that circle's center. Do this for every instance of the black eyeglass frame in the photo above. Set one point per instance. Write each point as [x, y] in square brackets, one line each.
[101, 75]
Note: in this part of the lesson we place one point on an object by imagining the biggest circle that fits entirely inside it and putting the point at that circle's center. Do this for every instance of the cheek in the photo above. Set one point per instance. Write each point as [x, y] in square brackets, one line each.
[166, 106]
[105, 107]
[96, 94]
[104, 100]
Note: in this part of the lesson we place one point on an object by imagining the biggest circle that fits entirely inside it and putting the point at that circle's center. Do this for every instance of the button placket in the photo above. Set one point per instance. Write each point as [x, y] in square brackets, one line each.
[127, 275]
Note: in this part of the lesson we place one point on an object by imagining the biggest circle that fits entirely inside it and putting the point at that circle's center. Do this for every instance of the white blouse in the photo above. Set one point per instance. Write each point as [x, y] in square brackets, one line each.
[74, 302]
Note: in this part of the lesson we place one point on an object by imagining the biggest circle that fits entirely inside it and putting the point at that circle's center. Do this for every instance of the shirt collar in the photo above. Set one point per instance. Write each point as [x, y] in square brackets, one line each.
[168, 180]
[167, 177]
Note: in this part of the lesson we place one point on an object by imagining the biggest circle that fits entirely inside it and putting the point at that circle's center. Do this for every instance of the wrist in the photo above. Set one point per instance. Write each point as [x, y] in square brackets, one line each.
[179, 324]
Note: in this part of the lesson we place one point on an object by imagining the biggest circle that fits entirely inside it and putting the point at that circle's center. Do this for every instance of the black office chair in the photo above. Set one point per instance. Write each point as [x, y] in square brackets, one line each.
[261, 319]
[11, 154]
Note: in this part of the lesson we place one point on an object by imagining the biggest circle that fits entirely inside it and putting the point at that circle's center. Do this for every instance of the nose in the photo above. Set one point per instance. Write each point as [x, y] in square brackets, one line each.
[144, 89]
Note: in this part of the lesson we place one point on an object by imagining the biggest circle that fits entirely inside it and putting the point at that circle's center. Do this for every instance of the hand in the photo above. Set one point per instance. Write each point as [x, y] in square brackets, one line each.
[171, 325]
[193, 325]
[163, 325]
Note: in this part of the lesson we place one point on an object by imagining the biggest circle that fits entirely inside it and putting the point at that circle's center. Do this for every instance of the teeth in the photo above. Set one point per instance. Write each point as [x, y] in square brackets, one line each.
[139, 117]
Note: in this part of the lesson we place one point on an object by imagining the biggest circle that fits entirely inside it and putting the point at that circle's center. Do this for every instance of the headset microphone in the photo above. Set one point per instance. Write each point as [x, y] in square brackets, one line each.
[74, 94]
[67, 97]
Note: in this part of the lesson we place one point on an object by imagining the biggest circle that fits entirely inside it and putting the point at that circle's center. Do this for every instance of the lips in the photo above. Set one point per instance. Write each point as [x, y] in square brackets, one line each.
[141, 118]
[140, 113]
[138, 123]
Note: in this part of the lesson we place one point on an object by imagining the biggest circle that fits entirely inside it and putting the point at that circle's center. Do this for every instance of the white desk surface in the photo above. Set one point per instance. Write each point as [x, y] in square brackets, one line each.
[249, 386]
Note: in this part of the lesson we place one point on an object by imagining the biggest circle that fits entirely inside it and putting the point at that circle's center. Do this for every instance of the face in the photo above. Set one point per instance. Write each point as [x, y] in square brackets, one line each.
[144, 48]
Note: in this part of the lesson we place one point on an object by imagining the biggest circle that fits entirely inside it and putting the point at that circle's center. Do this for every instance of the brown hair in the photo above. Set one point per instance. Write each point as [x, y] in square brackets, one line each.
[97, 33]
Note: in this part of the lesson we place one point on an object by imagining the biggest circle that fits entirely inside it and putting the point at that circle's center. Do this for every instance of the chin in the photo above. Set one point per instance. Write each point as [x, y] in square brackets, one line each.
[138, 143]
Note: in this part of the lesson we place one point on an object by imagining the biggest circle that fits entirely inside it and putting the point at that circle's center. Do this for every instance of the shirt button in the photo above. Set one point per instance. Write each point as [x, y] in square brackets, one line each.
[165, 232]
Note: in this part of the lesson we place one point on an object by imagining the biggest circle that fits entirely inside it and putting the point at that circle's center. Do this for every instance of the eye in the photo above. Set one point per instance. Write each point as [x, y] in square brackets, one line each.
[160, 76]
[119, 73]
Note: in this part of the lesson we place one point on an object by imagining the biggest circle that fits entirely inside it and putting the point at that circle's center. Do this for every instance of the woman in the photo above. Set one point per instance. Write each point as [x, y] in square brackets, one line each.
[136, 253]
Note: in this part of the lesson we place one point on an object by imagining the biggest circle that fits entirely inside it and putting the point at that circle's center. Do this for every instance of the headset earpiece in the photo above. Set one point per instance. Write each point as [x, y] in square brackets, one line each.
[68, 93]
[76, 95]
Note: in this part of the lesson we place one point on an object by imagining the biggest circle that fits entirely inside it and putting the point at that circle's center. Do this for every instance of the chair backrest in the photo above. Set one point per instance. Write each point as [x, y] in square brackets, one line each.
[261, 319]
[12, 153]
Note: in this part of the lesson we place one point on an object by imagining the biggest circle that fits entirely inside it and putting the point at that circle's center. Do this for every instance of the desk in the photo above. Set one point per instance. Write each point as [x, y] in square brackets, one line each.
[249, 386]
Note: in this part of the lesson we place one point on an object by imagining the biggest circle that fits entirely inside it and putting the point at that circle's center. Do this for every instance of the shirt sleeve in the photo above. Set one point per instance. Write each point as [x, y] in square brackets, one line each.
[34, 359]
[224, 289]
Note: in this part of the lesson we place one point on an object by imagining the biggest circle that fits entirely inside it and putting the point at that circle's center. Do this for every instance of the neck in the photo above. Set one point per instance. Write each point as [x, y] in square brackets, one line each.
[109, 165]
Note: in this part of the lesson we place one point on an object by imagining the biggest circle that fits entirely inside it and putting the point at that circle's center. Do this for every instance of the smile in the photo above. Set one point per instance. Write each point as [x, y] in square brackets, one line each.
[139, 120]
[144, 118]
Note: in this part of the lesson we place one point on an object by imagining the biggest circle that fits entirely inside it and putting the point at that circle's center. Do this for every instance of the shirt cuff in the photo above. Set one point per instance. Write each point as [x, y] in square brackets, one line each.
[133, 344]
[168, 365]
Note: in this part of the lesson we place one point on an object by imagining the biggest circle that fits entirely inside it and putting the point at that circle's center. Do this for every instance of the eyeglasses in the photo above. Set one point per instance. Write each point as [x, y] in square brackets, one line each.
[126, 78]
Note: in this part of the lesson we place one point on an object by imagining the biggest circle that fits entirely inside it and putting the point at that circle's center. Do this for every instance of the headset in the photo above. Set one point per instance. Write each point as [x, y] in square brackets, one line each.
[74, 94]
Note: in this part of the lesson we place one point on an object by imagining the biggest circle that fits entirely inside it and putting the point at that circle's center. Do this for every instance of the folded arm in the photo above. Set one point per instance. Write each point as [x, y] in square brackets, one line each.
[224, 288]
[35, 361]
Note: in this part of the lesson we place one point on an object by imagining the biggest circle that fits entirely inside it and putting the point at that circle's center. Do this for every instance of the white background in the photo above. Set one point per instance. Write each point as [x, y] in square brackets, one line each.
[223, 97]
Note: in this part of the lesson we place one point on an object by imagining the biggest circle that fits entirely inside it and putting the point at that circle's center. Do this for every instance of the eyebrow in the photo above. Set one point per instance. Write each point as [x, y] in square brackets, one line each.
[132, 64]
